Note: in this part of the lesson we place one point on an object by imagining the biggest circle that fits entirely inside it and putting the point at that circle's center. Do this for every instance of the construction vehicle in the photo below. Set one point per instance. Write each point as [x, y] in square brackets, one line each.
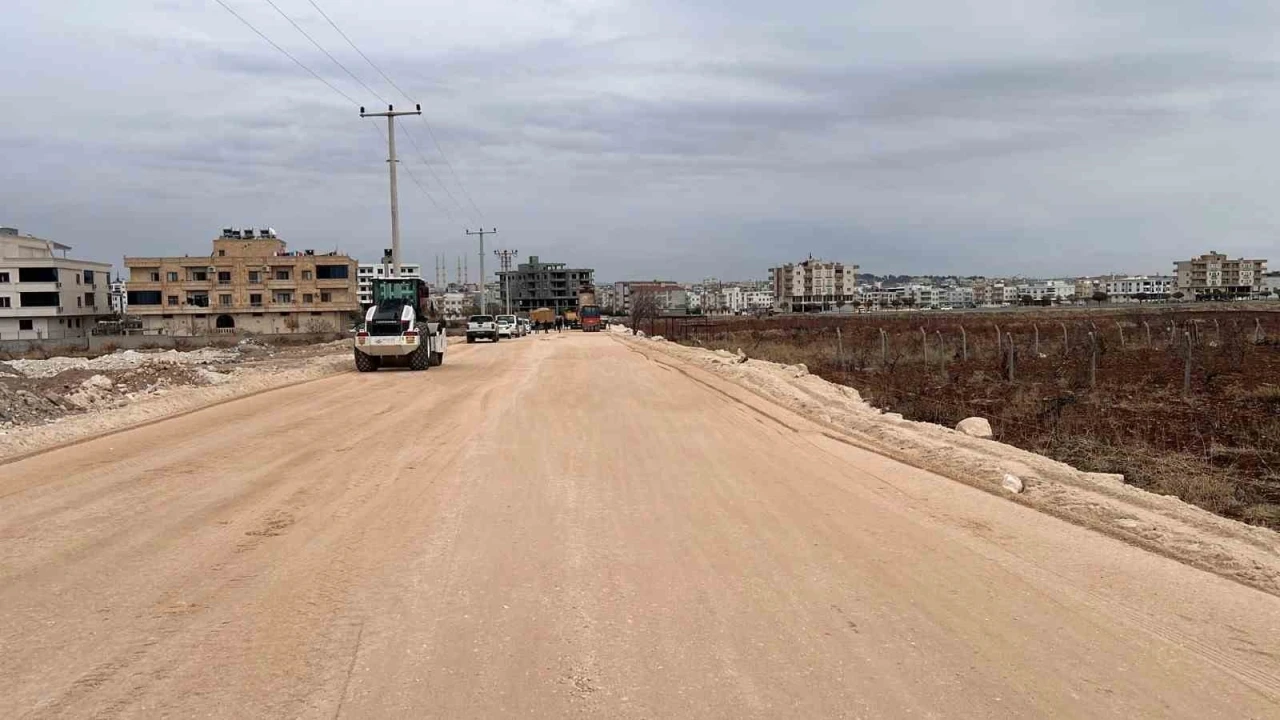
[591, 320]
[588, 312]
[396, 329]
[543, 316]
[571, 319]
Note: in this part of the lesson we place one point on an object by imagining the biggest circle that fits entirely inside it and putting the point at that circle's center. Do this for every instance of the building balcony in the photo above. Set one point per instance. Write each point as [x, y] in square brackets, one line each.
[333, 283]
[277, 283]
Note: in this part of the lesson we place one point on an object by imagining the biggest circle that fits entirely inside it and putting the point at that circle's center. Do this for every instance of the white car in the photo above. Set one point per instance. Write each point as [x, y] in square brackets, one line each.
[507, 326]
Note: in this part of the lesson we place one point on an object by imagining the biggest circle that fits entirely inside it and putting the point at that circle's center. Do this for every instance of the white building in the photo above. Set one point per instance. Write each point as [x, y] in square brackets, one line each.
[454, 304]
[44, 296]
[813, 285]
[1140, 287]
[119, 296]
[368, 271]
[1051, 290]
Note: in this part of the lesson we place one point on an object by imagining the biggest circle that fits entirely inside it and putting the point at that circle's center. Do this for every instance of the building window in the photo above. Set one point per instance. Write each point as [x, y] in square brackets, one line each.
[173, 299]
[88, 277]
[282, 274]
[224, 299]
[155, 277]
[40, 299]
[24, 325]
[5, 302]
[222, 253]
[198, 299]
[255, 277]
[173, 276]
[306, 274]
[224, 277]
[332, 272]
[308, 298]
[197, 275]
[88, 300]
[326, 297]
[144, 297]
[37, 275]
[4, 277]
[283, 297]
[255, 299]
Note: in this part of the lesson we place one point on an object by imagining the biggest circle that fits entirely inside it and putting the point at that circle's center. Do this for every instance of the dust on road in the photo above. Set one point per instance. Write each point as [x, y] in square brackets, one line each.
[561, 526]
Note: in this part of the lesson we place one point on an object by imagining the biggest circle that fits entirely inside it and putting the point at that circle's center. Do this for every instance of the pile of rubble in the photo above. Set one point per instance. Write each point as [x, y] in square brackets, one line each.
[33, 392]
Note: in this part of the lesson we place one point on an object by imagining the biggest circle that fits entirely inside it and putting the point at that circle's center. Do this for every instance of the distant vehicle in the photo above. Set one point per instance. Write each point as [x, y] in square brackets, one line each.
[586, 297]
[396, 329]
[543, 316]
[571, 319]
[591, 320]
[507, 326]
[524, 324]
[482, 326]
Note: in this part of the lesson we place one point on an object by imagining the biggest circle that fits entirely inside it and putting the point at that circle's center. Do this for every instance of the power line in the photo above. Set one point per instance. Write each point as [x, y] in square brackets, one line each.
[326, 52]
[286, 53]
[382, 136]
[430, 131]
[417, 149]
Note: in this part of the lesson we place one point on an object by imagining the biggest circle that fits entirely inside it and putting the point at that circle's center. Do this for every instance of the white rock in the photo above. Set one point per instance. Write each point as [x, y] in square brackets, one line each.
[98, 381]
[1012, 483]
[975, 427]
[799, 370]
[742, 357]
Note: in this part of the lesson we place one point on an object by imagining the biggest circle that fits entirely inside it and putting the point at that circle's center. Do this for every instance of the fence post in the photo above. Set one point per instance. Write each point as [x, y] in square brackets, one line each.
[924, 345]
[884, 348]
[942, 356]
[1258, 335]
[999, 343]
[1121, 329]
[1009, 336]
[1065, 345]
[840, 350]
[1093, 360]
[1037, 329]
[1147, 325]
[964, 344]
[1217, 330]
[1186, 371]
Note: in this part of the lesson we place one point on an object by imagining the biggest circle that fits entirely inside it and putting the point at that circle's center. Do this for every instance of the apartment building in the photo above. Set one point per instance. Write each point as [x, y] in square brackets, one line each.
[813, 285]
[366, 272]
[1215, 275]
[1046, 290]
[1137, 288]
[995, 294]
[46, 295]
[536, 284]
[669, 296]
[119, 299]
[251, 282]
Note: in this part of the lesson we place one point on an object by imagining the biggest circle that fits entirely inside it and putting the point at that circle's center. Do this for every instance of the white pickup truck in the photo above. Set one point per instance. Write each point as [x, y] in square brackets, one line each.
[482, 326]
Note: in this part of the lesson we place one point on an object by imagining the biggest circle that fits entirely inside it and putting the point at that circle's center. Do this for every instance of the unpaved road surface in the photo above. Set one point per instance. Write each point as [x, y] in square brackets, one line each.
[558, 526]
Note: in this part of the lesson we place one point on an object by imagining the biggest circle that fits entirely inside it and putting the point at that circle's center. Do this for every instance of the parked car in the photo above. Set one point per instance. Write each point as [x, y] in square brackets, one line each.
[482, 326]
[507, 326]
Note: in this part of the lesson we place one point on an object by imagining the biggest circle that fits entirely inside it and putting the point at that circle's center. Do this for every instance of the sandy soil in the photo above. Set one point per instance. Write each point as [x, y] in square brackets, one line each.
[581, 526]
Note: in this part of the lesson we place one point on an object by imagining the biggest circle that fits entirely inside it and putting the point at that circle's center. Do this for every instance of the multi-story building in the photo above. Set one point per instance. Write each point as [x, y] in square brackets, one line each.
[453, 304]
[1139, 288]
[1215, 275]
[119, 298]
[368, 271]
[668, 295]
[1271, 285]
[536, 284]
[605, 296]
[249, 283]
[1046, 290]
[47, 296]
[813, 285]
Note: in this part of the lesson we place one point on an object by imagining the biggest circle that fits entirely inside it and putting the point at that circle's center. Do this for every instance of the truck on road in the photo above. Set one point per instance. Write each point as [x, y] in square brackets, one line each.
[591, 320]
[482, 326]
[396, 330]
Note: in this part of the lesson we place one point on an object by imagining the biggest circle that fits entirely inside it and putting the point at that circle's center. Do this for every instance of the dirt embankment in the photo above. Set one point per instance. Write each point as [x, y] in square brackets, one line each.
[1159, 523]
[49, 402]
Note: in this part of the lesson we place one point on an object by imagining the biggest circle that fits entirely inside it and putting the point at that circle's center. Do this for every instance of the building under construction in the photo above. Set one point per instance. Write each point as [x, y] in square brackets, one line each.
[536, 284]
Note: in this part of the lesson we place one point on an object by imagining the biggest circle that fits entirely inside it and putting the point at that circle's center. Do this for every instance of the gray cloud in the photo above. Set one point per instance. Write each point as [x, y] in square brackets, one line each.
[660, 139]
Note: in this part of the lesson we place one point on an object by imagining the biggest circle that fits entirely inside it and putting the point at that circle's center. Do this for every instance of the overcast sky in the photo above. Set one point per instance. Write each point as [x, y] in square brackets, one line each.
[659, 138]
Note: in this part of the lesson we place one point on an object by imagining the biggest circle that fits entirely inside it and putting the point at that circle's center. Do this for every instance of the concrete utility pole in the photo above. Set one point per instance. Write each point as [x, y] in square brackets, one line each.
[483, 294]
[504, 258]
[391, 114]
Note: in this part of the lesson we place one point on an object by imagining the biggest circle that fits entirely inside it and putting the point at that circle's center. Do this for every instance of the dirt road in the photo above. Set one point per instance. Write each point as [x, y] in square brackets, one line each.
[558, 526]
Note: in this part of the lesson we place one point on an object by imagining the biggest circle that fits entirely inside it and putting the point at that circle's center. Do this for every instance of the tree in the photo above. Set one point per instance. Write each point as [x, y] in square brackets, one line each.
[1026, 299]
[1179, 295]
[644, 306]
[1140, 297]
[1100, 297]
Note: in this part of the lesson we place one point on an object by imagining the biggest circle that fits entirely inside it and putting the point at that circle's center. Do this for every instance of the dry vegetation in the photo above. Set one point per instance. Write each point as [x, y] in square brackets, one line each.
[1124, 411]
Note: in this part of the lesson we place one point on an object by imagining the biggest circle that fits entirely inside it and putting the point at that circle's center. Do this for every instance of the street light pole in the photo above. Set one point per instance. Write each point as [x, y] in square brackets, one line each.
[391, 114]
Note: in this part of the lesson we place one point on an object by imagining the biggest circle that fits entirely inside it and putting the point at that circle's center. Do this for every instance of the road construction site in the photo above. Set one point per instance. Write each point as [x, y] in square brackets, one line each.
[600, 525]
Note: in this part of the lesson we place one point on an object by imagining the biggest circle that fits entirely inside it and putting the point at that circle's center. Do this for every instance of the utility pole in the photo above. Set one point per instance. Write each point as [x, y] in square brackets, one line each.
[482, 232]
[391, 114]
[504, 257]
